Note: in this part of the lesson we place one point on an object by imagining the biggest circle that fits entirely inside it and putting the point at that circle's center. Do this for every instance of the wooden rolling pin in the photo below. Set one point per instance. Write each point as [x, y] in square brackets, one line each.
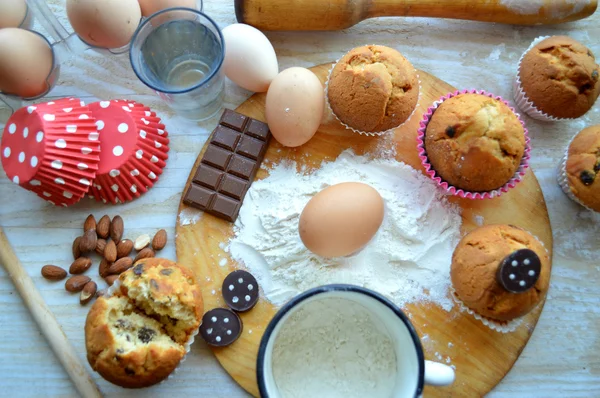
[47, 323]
[342, 14]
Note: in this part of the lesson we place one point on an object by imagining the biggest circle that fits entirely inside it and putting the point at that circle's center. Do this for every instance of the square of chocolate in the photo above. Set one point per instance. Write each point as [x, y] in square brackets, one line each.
[225, 137]
[208, 176]
[199, 197]
[217, 157]
[250, 147]
[258, 130]
[225, 207]
[233, 119]
[233, 186]
[242, 167]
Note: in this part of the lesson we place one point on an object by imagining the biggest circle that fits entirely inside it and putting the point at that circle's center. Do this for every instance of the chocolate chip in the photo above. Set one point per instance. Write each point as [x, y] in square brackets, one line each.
[128, 337]
[587, 177]
[122, 324]
[597, 167]
[130, 371]
[154, 284]
[146, 334]
[220, 327]
[120, 350]
[519, 271]
[166, 271]
[450, 131]
[138, 269]
[240, 290]
[595, 75]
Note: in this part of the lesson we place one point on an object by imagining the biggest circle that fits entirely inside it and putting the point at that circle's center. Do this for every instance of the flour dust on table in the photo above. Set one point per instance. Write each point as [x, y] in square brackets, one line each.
[408, 260]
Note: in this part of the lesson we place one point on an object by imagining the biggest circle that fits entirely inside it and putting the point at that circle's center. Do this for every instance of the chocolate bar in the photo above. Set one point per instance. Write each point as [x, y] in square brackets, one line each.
[236, 149]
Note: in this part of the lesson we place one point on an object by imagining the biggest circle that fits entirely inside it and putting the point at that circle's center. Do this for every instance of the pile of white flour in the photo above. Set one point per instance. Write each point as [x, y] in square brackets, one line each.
[408, 260]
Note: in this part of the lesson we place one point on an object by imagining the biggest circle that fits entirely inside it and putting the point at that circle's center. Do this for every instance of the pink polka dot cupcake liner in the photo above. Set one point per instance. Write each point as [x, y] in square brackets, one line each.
[134, 147]
[457, 191]
[52, 149]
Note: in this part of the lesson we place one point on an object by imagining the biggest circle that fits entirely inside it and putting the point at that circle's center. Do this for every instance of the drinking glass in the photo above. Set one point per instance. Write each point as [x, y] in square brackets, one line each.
[178, 53]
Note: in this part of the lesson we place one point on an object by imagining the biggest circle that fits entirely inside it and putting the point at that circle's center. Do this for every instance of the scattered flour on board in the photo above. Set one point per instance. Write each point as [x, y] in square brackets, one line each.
[408, 260]
[189, 216]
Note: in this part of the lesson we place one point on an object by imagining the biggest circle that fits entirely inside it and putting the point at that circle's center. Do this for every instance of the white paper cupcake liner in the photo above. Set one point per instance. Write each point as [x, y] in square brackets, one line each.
[563, 180]
[521, 99]
[369, 134]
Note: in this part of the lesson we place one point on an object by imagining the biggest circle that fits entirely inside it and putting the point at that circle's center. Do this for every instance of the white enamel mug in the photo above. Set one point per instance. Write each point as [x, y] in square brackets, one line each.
[413, 371]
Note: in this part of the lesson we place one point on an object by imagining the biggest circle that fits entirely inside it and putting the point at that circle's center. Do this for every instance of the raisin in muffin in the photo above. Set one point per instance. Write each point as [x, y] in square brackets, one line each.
[128, 348]
[167, 291]
[373, 89]
[560, 77]
[138, 336]
[474, 142]
[474, 272]
[580, 174]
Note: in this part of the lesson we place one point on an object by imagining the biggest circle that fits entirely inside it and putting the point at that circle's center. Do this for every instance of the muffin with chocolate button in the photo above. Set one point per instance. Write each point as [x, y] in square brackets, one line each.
[474, 144]
[579, 175]
[557, 78]
[500, 272]
[138, 335]
[373, 89]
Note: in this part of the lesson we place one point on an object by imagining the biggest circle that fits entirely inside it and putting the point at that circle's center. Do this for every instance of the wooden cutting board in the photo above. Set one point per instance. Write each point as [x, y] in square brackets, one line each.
[482, 357]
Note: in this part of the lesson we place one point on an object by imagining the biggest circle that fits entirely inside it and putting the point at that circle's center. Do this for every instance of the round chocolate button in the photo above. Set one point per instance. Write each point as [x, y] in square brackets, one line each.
[240, 290]
[221, 327]
[519, 271]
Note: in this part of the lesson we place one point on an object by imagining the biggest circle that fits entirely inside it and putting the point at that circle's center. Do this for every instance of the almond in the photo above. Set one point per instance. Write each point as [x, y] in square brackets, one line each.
[100, 246]
[141, 242]
[80, 265]
[116, 228]
[76, 283]
[144, 253]
[103, 227]
[160, 240]
[88, 242]
[76, 249]
[124, 248]
[103, 268]
[120, 266]
[111, 279]
[110, 252]
[88, 292]
[53, 272]
[90, 223]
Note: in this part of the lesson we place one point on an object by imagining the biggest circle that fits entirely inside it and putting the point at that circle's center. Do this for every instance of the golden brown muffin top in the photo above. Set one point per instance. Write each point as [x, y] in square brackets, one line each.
[475, 142]
[561, 77]
[373, 89]
[583, 167]
[475, 263]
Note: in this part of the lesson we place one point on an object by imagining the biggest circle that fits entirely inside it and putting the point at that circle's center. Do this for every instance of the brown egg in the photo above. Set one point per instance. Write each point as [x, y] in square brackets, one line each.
[12, 13]
[149, 7]
[26, 61]
[106, 23]
[341, 219]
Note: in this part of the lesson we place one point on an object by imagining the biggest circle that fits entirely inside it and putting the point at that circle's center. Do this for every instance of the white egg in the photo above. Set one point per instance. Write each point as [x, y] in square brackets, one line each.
[250, 60]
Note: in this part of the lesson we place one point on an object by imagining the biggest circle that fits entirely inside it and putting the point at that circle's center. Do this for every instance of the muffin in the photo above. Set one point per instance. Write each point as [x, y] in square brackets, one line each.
[557, 78]
[474, 142]
[501, 272]
[138, 335]
[373, 89]
[580, 171]
[127, 348]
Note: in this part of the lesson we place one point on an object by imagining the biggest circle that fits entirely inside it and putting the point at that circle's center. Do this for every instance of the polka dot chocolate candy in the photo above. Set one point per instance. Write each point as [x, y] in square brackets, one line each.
[52, 149]
[519, 271]
[220, 327]
[134, 148]
[240, 290]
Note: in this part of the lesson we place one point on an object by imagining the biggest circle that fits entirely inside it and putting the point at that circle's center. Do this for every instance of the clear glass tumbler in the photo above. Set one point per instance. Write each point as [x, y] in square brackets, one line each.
[178, 53]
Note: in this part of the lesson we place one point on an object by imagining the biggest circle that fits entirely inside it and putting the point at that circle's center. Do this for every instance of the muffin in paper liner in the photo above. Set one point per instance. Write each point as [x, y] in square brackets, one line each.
[369, 134]
[134, 147]
[563, 180]
[52, 149]
[452, 190]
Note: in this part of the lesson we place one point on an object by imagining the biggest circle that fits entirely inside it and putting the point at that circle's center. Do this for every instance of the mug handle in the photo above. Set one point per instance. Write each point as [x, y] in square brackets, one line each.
[437, 374]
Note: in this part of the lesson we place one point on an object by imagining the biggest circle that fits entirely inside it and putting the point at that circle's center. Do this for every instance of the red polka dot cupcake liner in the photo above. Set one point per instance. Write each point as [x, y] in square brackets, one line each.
[52, 149]
[134, 147]
[457, 191]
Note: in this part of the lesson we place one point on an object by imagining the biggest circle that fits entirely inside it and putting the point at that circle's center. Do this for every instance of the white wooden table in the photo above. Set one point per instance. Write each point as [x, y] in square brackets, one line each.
[563, 356]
